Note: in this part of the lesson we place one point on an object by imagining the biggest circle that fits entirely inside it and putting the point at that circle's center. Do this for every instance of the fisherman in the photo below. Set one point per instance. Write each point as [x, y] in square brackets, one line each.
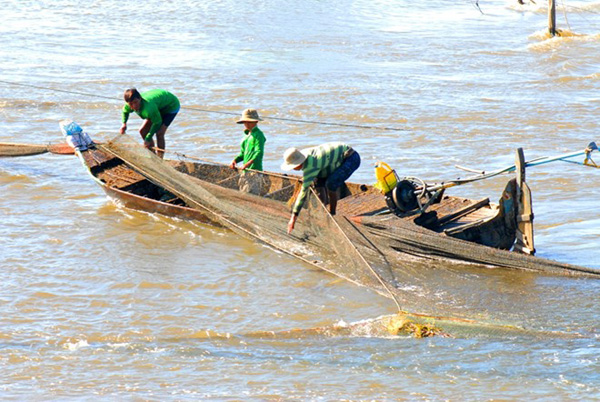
[331, 164]
[158, 108]
[252, 147]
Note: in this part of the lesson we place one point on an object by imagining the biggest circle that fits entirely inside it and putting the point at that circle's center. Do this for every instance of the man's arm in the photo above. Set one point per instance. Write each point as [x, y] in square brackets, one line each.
[156, 119]
[124, 117]
[256, 147]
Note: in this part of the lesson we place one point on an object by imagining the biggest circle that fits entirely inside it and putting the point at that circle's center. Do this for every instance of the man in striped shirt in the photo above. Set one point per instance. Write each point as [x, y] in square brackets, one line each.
[332, 163]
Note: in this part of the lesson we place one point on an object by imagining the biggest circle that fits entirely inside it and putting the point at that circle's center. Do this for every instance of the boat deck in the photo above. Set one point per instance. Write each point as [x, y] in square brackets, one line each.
[452, 212]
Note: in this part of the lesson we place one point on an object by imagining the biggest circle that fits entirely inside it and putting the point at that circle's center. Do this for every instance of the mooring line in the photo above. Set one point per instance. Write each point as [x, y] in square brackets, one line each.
[322, 123]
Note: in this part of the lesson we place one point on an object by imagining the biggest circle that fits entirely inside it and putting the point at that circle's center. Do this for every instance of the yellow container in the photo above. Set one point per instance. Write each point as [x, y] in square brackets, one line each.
[386, 177]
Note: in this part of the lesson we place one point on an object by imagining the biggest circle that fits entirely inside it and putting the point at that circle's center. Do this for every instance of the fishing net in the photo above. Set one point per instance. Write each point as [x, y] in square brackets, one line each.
[258, 205]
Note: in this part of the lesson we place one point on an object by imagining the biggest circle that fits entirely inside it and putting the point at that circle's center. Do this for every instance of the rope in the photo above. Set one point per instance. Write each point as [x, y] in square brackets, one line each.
[565, 14]
[322, 123]
[56, 90]
[476, 4]
[182, 155]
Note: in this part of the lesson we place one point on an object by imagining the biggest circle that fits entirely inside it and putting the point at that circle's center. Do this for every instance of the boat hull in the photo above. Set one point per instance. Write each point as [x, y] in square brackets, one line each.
[153, 206]
[467, 231]
[98, 164]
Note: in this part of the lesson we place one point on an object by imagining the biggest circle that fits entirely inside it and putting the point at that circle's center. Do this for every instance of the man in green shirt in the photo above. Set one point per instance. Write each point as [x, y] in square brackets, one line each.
[333, 163]
[252, 147]
[158, 108]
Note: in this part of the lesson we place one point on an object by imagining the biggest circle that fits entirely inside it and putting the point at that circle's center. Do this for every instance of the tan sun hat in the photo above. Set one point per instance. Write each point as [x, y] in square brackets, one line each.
[249, 115]
[292, 157]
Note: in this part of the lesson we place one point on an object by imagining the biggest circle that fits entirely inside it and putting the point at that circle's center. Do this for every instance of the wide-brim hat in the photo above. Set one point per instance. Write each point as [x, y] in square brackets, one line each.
[250, 115]
[292, 158]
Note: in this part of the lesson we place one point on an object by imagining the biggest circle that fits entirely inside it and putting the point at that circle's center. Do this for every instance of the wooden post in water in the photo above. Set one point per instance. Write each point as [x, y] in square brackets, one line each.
[524, 241]
[552, 17]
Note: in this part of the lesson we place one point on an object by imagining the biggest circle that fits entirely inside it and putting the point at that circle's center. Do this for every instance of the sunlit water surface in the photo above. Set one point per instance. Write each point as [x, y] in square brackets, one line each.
[98, 300]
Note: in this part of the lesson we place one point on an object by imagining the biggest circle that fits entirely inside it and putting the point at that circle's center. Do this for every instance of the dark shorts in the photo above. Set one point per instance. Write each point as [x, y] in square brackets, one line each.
[168, 118]
[343, 173]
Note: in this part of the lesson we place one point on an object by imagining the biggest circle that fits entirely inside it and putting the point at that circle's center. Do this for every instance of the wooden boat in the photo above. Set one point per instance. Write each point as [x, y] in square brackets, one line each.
[132, 189]
[364, 230]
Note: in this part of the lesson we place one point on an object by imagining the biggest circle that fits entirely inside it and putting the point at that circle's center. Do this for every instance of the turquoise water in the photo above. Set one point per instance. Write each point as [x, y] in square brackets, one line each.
[99, 301]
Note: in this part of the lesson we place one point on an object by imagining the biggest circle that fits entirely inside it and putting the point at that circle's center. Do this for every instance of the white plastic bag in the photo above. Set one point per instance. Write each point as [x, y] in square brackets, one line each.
[75, 136]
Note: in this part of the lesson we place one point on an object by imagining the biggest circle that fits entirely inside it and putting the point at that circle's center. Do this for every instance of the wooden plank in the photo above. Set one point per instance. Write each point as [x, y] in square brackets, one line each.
[12, 150]
[464, 211]
[524, 242]
[362, 204]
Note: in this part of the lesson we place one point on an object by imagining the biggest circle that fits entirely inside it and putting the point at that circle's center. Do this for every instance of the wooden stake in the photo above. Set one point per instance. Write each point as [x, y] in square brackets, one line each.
[552, 17]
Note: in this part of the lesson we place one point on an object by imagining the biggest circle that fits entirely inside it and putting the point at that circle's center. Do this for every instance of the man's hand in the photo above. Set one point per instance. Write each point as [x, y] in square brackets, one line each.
[291, 223]
[232, 164]
[149, 144]
[123, 128]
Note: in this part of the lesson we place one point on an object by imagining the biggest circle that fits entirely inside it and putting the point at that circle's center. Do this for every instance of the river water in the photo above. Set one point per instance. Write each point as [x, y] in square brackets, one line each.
[99, 301]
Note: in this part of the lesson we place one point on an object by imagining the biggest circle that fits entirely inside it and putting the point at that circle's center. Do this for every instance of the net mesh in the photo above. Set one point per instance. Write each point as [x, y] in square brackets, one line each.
[258, 205]
[403, 325]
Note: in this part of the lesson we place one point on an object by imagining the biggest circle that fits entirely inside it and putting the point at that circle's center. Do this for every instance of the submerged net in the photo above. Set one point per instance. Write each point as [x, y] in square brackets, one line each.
[258, 205]
[403, 325]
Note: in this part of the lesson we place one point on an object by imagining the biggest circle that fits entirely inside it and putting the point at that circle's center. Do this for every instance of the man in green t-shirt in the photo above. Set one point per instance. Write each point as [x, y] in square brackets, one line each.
[252, 147]
[158, 108]
[252, 150]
